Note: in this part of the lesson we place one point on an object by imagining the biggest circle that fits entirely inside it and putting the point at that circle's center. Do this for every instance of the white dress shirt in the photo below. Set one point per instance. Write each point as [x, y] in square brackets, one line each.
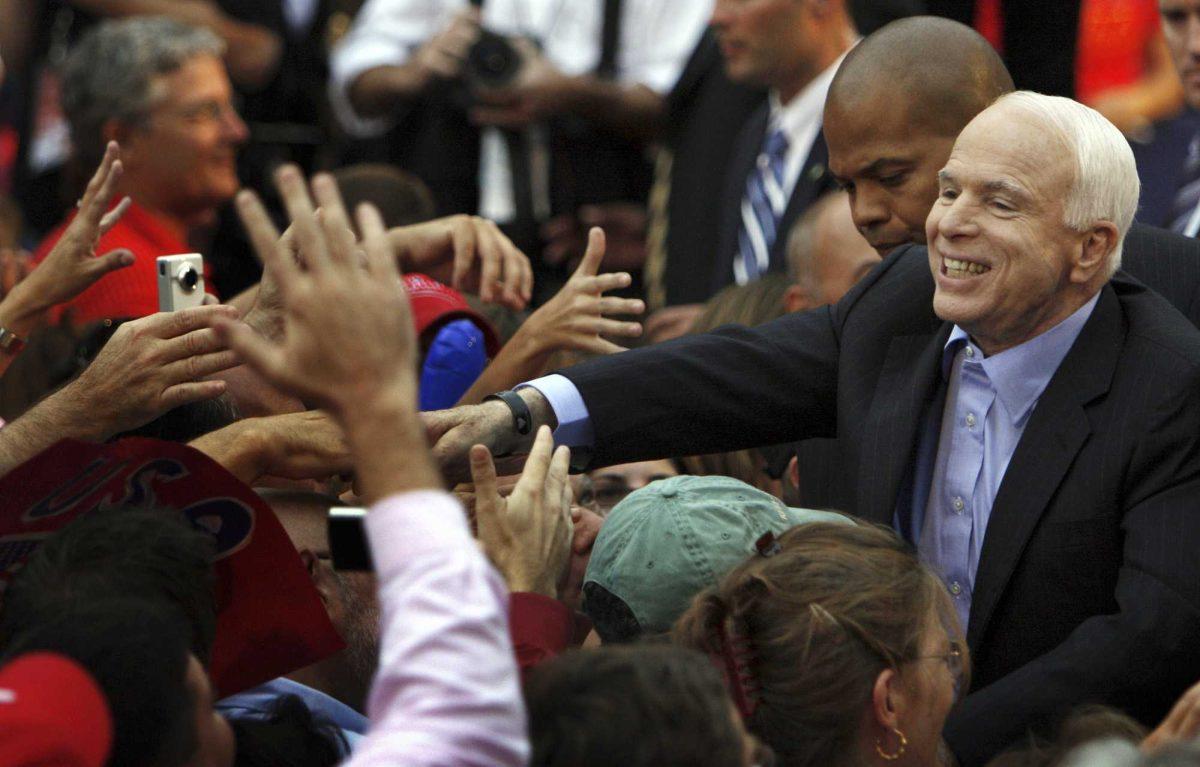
[800, 120]
[656, 40]
[447, 691]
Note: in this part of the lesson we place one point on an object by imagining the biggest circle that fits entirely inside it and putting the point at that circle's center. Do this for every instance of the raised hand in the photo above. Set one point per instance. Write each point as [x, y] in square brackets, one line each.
[347, 332]
[346, 339]
[72, 265]
[469, 253]
[528, 534]
[576, 317]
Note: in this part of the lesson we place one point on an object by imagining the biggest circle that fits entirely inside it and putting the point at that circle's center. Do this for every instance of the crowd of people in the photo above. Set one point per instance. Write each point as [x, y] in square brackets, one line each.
[568, 384]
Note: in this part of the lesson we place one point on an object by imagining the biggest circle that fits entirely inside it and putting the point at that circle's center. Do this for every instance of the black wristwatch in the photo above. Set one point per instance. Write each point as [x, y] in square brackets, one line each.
[522, 418]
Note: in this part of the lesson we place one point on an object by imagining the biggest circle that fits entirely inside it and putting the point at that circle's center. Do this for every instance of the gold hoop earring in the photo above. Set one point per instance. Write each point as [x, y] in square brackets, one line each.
[899, 752]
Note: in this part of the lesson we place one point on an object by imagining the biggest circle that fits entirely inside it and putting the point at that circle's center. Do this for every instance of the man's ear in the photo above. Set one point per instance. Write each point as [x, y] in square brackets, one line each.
[792, 472]
[319, 575]
[796, 299]
[1094, 252]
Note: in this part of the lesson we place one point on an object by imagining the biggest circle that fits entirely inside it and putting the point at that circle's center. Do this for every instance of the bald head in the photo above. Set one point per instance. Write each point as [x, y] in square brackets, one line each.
[945, 73]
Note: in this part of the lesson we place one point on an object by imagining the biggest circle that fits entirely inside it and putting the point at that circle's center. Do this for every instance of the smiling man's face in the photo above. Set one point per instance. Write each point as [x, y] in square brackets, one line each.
[1001, 253]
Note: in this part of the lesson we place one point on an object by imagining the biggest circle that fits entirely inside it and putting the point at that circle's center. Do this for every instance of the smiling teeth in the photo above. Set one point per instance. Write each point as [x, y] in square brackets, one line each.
[958, 268]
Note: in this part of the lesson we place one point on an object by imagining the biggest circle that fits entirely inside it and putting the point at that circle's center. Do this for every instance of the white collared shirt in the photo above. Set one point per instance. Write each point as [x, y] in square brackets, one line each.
[800, 120]
[656, 40]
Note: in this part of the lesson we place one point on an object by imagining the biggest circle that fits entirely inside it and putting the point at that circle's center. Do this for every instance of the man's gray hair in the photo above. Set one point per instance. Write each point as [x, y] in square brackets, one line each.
[109, 74]
[1106, 185]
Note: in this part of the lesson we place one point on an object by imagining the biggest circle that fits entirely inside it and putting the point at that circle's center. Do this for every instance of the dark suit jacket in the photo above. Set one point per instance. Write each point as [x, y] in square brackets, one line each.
[705, 113]
[813, 181]
[1088, 587]
[1160, 160]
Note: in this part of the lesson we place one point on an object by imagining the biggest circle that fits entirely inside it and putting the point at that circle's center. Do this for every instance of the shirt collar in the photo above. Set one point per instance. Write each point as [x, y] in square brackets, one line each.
[1019, 375]
[807, 107]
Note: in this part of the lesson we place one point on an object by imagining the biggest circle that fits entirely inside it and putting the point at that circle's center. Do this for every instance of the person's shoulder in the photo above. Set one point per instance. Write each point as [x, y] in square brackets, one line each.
[1154, 325]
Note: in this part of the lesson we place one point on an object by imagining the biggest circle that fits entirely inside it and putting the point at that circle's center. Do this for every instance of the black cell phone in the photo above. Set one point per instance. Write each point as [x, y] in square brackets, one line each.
[348, 539]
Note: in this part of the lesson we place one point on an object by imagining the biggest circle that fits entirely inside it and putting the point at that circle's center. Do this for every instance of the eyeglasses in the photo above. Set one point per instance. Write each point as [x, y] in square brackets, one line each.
[955, 660]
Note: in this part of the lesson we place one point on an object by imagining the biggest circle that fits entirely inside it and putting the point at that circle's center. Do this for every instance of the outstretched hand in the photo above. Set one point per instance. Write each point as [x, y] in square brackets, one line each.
[576, 317]
[154, 364]
[72, 265]
[347, 332]
[469, 253]
[528, 534]
[346, 340]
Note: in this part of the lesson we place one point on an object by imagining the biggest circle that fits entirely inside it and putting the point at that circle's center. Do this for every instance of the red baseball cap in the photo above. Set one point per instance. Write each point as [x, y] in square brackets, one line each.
[52, 714]
[435, 303]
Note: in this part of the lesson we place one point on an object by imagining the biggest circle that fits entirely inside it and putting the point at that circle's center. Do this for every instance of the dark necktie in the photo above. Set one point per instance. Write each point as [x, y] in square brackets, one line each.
[762, 207]
[1188, 196]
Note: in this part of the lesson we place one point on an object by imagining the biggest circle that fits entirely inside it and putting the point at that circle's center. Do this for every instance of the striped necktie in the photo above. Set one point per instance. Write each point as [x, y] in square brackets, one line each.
[1188, 197]
[762, 207]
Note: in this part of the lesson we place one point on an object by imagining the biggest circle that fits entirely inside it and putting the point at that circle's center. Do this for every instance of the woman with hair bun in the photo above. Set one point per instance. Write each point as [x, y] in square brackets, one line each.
[840, 648]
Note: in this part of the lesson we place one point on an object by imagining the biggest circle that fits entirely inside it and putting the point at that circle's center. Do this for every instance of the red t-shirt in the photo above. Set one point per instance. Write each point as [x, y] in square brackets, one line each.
[1114, 36]
[132, 291]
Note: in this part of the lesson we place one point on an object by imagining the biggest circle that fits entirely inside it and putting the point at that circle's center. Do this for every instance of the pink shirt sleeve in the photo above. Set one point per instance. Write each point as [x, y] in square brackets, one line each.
[447, 689]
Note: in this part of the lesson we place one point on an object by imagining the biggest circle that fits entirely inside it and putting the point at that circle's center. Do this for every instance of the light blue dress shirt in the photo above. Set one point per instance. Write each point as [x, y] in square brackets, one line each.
[959, 465]
[988, 403]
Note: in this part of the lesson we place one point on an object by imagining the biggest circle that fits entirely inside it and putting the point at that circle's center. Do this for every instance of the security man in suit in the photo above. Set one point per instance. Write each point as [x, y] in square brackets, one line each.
[1030, 422]
[792, 48]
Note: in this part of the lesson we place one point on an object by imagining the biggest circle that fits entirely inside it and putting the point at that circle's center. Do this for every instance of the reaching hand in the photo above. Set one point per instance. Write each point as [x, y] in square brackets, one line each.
[575, 317]
[527, 535]
[348, 334]
[304, 445]
[1181, 725]
[72, 265]
[469, 253]
[152, 365]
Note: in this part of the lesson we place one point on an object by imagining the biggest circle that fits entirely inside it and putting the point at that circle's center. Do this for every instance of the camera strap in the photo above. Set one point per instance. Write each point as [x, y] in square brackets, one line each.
[610, 40]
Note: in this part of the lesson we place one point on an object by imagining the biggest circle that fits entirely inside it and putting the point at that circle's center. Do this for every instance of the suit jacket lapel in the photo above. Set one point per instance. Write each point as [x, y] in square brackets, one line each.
[901, 398]
[1056, 431]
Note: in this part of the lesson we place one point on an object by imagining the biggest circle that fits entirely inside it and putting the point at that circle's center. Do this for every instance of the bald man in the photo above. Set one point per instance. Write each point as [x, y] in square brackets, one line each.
[894, 109]
[826, 254]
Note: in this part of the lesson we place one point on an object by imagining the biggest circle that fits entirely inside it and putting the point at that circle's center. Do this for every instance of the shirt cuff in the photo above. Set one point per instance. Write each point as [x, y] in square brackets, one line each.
[574, 422]
[403, 527]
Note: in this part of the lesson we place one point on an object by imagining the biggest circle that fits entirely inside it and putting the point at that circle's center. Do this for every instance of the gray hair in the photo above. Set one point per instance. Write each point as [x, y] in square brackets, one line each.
[1106, 185]
[109, 74]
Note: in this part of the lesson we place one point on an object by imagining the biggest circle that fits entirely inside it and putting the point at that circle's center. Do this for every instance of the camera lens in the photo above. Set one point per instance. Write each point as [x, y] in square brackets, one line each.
[188, 278]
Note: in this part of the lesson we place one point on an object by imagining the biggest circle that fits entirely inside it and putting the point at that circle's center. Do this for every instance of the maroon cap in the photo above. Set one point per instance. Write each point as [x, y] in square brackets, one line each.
[52, 714]
[435, 303]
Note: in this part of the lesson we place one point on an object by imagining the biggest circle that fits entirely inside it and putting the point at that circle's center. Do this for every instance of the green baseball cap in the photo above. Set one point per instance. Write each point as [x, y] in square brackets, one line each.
[665, 543]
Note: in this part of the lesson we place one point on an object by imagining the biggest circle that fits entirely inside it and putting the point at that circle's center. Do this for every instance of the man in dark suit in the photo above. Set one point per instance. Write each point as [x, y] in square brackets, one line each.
[1031, 425]
[777, 168]
[1169, 160]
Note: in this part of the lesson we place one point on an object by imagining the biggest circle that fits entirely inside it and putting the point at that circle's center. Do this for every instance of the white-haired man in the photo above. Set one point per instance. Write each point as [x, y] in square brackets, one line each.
[1029, 423]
